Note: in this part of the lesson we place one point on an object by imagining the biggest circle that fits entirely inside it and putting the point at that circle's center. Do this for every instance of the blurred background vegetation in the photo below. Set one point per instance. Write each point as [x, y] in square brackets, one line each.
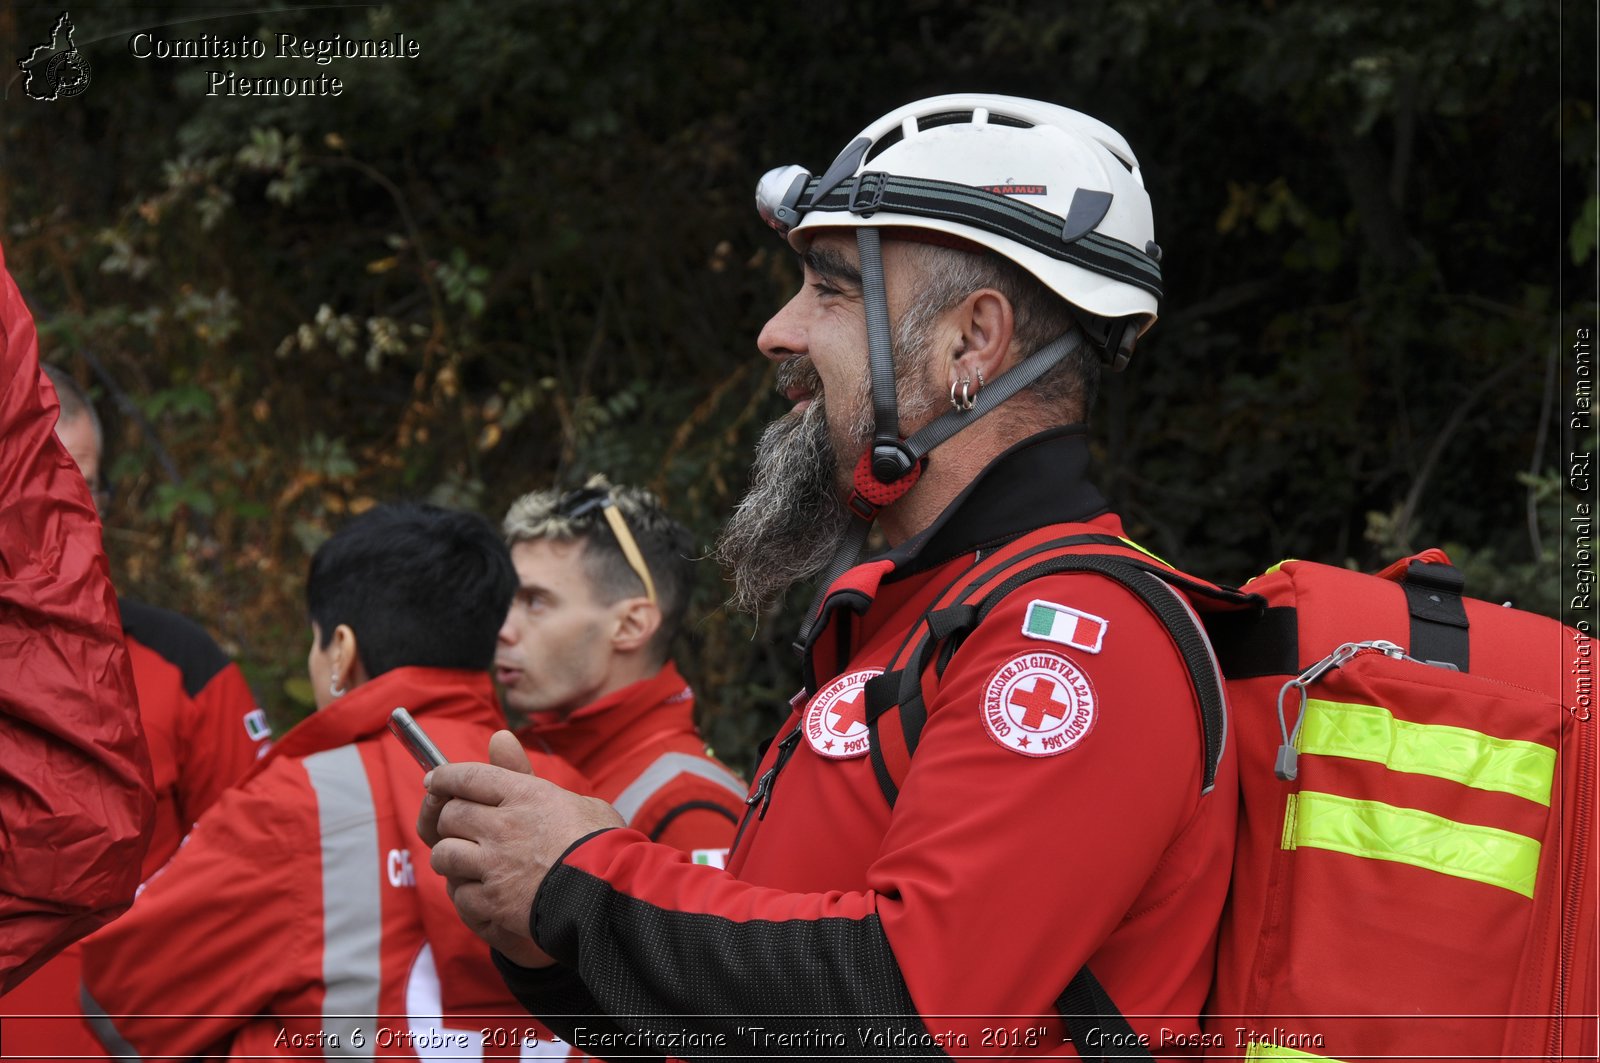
[530, 254]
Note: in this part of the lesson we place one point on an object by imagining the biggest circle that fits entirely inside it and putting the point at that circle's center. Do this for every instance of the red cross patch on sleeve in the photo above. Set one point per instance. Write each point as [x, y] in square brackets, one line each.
[1038, 704]
[836, 722]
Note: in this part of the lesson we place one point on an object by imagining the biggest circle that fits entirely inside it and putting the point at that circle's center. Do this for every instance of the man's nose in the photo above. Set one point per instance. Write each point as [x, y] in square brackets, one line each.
[782, 337]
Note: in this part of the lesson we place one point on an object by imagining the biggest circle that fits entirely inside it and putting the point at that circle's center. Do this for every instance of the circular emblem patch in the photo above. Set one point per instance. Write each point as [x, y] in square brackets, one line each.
[836, 722]
[1038, 704]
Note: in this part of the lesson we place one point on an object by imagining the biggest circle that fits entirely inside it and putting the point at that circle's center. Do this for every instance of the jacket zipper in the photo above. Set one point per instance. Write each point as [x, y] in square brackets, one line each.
[761, 794]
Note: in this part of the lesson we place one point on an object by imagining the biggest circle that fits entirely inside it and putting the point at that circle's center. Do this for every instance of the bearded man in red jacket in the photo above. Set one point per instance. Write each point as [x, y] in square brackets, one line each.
[1055, 836]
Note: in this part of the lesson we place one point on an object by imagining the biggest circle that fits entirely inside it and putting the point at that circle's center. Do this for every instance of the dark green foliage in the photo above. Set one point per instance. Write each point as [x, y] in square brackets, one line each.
[530, 254]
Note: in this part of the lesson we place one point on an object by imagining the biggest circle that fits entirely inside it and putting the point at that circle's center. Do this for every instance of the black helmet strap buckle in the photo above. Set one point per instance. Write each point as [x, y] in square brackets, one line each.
[892, 460]
[866, 195]
[1113, 337]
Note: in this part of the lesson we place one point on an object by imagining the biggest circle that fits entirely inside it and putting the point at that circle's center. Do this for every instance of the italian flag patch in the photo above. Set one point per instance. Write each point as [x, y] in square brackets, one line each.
[256, 725]
[1050, 622]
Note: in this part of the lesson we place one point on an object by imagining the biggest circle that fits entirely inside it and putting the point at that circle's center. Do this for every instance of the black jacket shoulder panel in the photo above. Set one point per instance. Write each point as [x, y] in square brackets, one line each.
[178, 639]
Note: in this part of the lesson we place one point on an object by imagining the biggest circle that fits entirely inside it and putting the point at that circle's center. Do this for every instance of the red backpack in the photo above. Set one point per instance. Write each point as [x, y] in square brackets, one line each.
[1415, 871]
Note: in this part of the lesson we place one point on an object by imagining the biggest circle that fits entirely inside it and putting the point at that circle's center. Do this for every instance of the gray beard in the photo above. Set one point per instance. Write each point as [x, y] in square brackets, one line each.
[791, 521]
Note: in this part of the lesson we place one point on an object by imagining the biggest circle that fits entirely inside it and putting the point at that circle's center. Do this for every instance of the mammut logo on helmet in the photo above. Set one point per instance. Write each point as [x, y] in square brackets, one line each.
[1012, 189]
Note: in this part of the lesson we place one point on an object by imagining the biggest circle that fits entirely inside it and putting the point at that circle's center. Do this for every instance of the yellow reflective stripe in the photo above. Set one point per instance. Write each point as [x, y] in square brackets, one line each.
[1263, 1050]
[1472, 758]
[1142, 550]
[1279, 565]
[1377, 831]
[1270, 571]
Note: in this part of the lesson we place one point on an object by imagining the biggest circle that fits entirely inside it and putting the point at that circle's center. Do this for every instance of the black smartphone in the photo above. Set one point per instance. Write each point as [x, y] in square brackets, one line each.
[416, 740]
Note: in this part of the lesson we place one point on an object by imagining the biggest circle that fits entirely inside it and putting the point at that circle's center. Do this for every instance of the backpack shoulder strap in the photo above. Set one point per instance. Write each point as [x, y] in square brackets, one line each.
[895, 717]
[896, 706]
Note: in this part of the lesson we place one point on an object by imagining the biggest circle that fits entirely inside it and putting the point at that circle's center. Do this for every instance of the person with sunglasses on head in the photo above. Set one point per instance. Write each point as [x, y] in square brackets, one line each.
[604, 577]
[986, 852]
[299, 917]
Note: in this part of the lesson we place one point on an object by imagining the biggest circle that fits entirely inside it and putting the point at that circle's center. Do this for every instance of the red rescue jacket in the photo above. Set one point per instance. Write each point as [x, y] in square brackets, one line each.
[639, 747]
[202, 722]
[301, 915]
[205, 733]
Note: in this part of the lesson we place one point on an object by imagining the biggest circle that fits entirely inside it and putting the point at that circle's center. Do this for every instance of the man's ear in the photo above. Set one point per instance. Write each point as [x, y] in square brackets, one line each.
[986, 325]
[637, 621]
[347, 669]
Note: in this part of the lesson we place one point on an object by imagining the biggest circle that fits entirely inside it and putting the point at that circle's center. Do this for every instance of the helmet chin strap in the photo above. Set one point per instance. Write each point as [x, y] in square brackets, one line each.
[891, 461]
[892, 465]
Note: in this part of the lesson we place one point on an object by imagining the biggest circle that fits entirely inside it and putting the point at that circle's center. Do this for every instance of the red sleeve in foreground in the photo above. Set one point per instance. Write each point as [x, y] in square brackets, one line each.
[75, 793]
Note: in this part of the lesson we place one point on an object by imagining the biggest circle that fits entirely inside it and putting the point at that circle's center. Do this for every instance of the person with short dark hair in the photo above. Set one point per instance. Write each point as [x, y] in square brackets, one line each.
[301, 911]
[405, 585]
[604, 578]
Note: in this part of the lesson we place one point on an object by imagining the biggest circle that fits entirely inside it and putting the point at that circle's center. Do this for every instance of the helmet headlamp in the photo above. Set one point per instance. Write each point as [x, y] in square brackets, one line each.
[778, 193]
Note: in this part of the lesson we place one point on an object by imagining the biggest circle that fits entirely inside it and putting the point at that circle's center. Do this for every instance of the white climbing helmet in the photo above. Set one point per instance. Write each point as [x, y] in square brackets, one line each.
[1054, 190]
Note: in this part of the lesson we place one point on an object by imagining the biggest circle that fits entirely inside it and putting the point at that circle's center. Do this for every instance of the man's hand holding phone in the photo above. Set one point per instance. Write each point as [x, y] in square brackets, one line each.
[414, 738]
[496, 830]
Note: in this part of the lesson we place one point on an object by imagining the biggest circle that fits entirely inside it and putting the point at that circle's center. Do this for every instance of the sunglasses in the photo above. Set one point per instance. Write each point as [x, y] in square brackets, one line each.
[575, 505]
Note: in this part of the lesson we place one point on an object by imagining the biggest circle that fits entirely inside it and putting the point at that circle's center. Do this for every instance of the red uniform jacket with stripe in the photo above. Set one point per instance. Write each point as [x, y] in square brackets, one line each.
[949, 923]
[75, 791]
[300, 916]
[205, 733]
[640, 750]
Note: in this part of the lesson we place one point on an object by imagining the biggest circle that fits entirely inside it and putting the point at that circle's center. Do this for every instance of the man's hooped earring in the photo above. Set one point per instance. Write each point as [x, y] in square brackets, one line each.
[333, 684]
[969, 396]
